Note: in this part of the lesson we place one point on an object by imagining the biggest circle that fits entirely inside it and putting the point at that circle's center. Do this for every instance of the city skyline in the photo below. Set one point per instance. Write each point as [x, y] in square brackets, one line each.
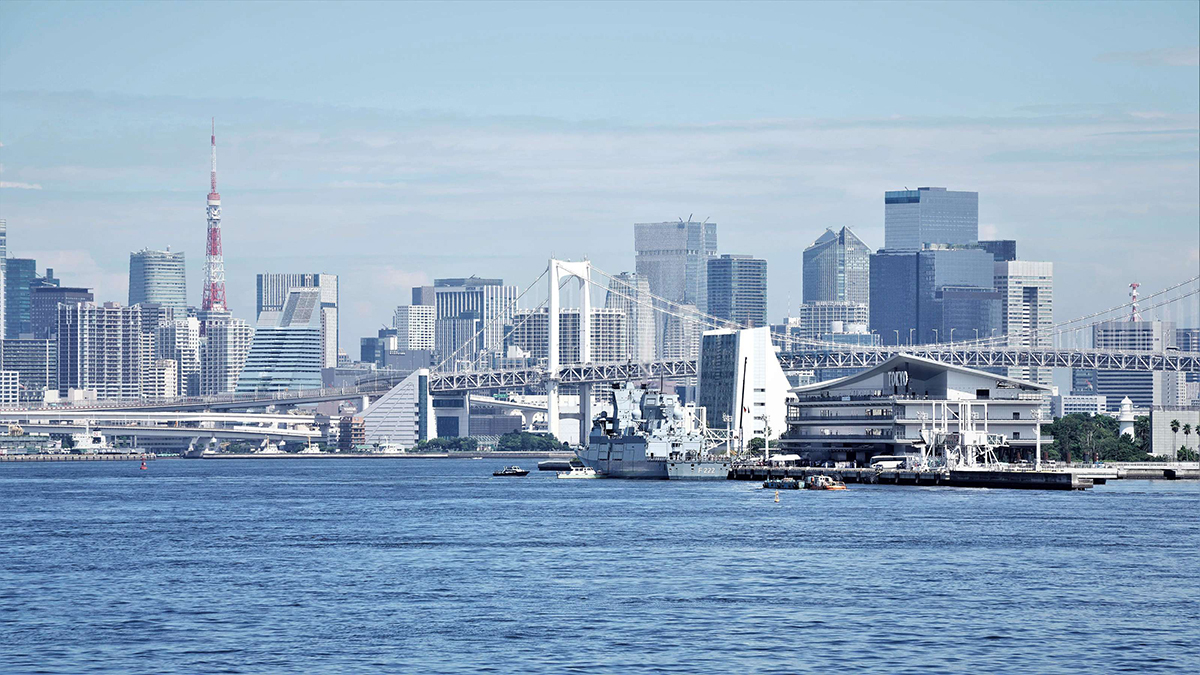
[369, 189]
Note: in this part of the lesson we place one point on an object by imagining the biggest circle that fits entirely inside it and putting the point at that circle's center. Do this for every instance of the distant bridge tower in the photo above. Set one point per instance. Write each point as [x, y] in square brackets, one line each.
[560, 269]
[214, 262]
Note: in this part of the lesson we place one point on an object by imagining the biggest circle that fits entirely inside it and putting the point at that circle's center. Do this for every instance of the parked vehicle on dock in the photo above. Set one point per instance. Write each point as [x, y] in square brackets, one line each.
[889, 461]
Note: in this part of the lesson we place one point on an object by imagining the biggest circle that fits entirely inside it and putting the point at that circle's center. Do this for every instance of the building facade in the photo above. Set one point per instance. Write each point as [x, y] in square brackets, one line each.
[820, 317]
[19, 275]
[742, 386]
[1026, 310]
[43, 306]
[837, 268]
[272, 295]
[673, 259]
[882, 410]
[35, 361]
[414, 326]
[737, 290]
[470, 320]
[223, 351]
[893, 305]
[1145, 388]
[402, 417]
[287, 354]
[179, 341]
[530, 331]
[630, 293]
[159, 277]
[930, 215]
[103, 348]
[1002, 250]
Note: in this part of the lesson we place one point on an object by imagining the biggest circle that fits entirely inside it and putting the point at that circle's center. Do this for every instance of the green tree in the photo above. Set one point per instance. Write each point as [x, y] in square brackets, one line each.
[1175, 429]
[1141, 432]
[756, 444]
[1187, 431]
[1185, 454]
[1092, 438]
[519, 441]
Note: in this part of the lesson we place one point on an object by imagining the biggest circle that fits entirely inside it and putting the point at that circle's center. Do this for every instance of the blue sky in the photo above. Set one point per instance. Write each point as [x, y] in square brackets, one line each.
[395, 143]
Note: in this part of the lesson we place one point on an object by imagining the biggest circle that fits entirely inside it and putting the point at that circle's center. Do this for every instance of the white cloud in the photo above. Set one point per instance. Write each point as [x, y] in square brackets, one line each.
[1167, 56]
[15, 185]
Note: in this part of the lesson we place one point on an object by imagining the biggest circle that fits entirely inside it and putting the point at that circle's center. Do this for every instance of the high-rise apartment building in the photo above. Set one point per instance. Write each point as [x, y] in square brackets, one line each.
[837, 268]
[930, 215]
[414, 326]
[630, 294]
[1026, 307]
[737, 290]
[103, 348]
[159, 277]
[43, 306]
[223, 351]
[609, 340]
[19, 276]
[287, 353]
[162, 379]
[273, 292]
[471, 316]
[179, 341]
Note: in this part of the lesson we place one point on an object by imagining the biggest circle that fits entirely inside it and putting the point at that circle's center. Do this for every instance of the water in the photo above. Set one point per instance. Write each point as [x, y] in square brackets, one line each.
[435, 566]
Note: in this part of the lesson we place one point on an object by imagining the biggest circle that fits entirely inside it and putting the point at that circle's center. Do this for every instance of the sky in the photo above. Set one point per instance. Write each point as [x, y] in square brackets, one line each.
[395, 143]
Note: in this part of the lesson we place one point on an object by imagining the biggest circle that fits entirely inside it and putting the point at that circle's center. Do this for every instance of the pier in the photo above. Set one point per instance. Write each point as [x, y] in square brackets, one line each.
[1027, 480]
[74, 457]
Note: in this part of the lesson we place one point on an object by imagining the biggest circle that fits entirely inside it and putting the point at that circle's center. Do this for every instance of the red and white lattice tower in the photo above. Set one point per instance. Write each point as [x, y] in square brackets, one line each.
[214, 262]
[1134, 314]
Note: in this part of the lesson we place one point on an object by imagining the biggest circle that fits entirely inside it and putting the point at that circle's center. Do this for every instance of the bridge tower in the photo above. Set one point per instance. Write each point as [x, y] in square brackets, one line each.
[582, 271]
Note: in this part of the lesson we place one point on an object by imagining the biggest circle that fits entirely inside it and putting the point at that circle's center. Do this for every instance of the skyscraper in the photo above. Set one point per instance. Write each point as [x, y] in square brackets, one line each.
[43, 306]
[673, 258]
[35, 361]
[3, 274]
[1003, 250]
[103, 349]
[930, 215]
[630, 294]
[414, 326]
[471, 316]
[223, 351]
[1026, 305]
[531, 332]
[893, 304]
[19, 275]
[1144, 388]
[286, 353]
[956, 298]
[273, 290]
[158, 276]
[179, 341]
[737, 290]
[837, 269]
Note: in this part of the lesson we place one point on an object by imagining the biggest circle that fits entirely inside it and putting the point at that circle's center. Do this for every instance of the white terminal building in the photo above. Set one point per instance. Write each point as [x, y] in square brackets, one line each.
[742, 386]
[881, 410]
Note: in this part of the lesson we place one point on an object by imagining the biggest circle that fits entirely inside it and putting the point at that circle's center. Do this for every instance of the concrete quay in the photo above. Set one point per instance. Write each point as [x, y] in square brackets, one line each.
[71, 457]
[1024, 480]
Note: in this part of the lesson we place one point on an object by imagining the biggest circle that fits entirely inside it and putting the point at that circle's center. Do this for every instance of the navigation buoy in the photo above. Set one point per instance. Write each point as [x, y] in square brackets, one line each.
[777, 496]
[144, 468]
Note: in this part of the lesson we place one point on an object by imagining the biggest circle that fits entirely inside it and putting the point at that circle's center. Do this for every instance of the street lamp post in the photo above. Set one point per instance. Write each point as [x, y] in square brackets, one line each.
[1037, 434]
[910, 336]
[951, 336]
[935, 336]
[897, 332]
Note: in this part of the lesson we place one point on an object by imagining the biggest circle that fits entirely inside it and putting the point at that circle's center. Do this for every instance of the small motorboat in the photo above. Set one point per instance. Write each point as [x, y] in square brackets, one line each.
[823, 483]
[579, 472]
[781, 484]
[511, 471]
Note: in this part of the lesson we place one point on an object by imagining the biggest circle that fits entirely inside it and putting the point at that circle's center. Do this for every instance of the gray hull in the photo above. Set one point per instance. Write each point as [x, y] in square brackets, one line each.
[699, 470]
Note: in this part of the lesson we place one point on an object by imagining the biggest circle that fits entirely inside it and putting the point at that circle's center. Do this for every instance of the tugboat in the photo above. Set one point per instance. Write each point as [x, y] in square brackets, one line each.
[823, 483]
[511, 471]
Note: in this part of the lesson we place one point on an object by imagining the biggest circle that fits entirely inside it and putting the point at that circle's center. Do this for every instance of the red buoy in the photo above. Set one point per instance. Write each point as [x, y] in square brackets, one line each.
[143, 465]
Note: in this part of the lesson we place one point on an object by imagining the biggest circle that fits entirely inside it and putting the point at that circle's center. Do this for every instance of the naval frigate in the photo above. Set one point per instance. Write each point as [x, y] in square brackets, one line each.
[652, 435]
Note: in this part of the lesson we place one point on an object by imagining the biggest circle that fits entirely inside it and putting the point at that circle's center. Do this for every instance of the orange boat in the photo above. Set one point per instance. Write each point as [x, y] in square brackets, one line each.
[823, 483]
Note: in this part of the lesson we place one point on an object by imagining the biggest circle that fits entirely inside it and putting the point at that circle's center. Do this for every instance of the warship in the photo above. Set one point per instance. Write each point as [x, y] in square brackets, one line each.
[652, 435]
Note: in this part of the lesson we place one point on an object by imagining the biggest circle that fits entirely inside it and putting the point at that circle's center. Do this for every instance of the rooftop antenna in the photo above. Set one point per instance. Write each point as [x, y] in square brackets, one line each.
[1134, 314]
[690, 217]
